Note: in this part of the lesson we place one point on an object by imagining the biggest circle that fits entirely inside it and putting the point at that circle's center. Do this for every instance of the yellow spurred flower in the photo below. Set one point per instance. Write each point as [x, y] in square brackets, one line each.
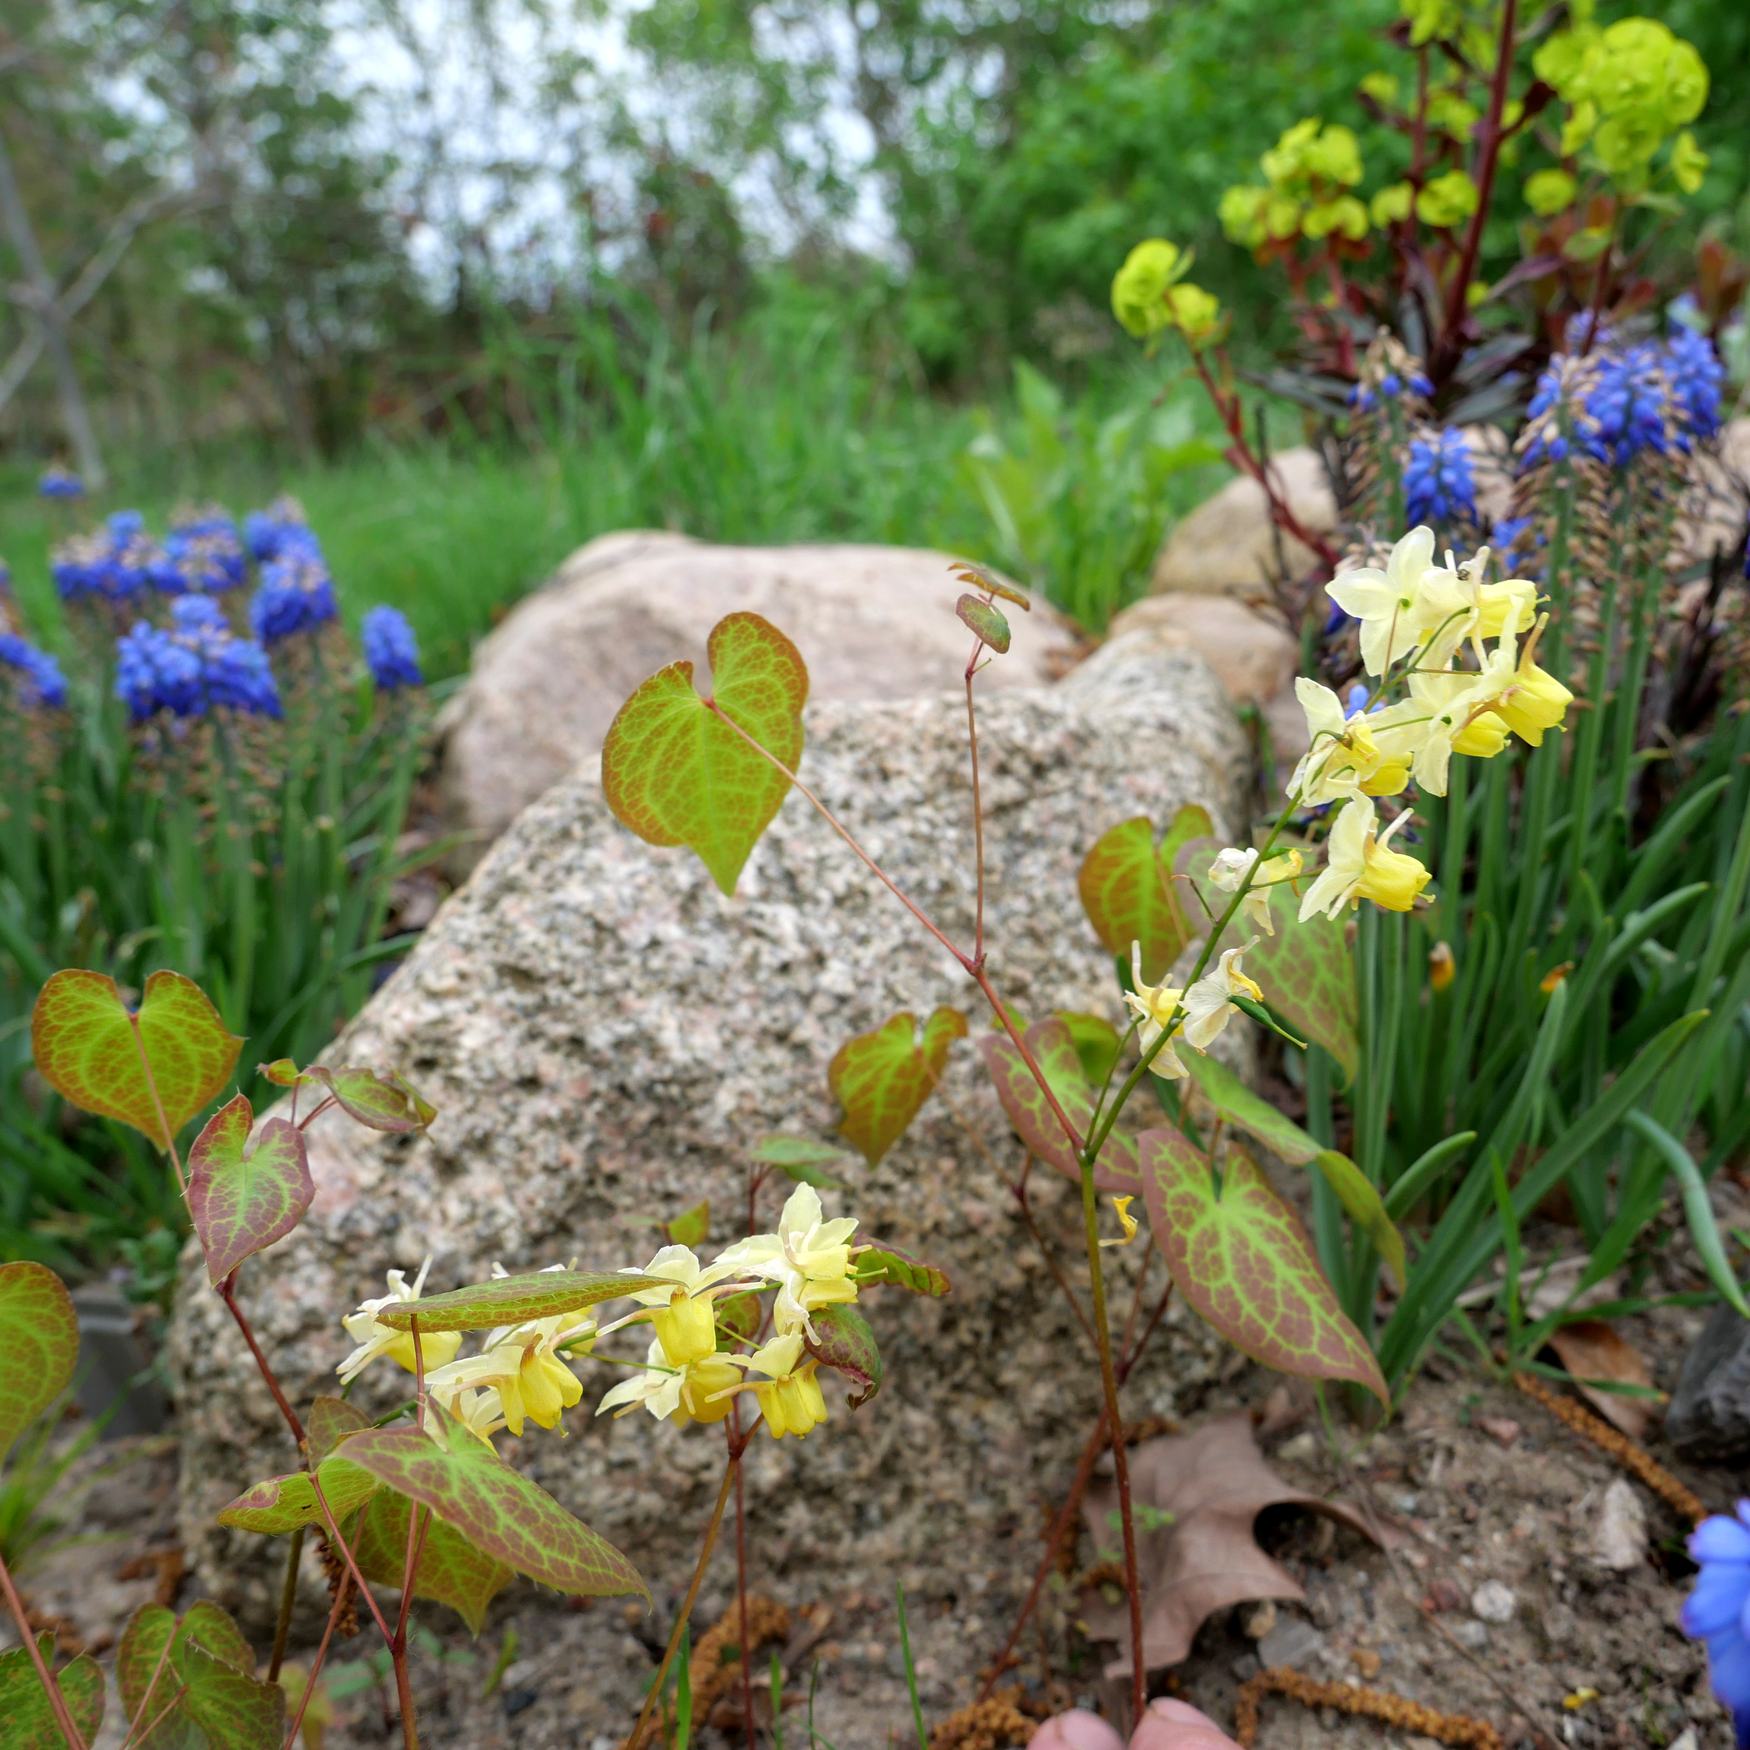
[1359, 864]
[373, 1338]
[790, 1398]
[1155, 1005]
[702, 1391]
[1349, 752]
[809, 1258]
[1229, 870]
[1210, 1001]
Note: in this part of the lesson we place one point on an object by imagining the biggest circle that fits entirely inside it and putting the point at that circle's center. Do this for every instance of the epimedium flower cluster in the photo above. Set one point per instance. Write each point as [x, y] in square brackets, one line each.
[747, 1323]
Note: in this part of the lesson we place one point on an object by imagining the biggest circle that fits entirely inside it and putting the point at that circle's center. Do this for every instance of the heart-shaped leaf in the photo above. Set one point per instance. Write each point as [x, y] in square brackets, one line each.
[1054, 1050]
[451, 1570]
[1127, 888]
[39, 1346]
[1307, 971]
[499, 1510]
[677, 774]
[92, 1049]
[514, 1300]
[1283, 1137]
[244, 1194]
[329, 1422]
[889, 1264]
[692, 1227]
[27, 1717]
[843, 1341]
[285, 1503]
[882, 1078]
[981, 577]
[1240, 1256]
[204, 1663]
[984, 620]
[385, 1102]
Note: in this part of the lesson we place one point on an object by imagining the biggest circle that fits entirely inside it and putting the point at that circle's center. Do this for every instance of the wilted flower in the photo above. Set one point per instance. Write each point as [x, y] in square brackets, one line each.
[1230, 869]
[1155, 1005]
[1210, 1001]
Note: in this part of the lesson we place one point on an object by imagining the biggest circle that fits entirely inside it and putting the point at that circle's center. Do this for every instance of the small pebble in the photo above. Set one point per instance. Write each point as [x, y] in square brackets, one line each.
[1302, 1448]
[1470, 1634]
[1292, 1641]
[1501, 1429]
[1259, 1620]
[1619, 1535]
[1366, 1661]
[1493, 1602]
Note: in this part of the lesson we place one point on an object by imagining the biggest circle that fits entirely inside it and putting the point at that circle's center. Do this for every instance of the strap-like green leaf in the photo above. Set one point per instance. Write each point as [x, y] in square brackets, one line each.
[883, 1077]
[82, 1036]
[677, 775]
[245, 1192]
[1283, 1137]
[1242, 1259]
[499, 1510]
[39, 1346]
[514, 1300]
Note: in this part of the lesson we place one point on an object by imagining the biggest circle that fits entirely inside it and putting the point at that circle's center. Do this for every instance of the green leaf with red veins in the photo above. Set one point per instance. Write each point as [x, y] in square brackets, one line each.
[514, 1300]
[1096, 1041]
[379, 1102]
[82, 1036]
[738, 1317]
[207, 1666]
[27, 1718]
[39, 1345]
[1307, 972]
[1250, 1112]
[329, 1422]
[877, 1264]
[843, 1341]
[1128, 891]
[1240, 1256]
[882, 1078]
[499, 1510]
[984, 620]
[676, 774]
[451, 1571]
[244, 1194]
[285, 1503]
[1054, 1050]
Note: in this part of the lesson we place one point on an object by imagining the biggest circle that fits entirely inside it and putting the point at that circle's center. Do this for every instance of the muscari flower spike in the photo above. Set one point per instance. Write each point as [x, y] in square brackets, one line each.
[196, 665]
[391, 651]
[60, 483]
[1438, 485]
[1717, 1612]
[1631, 405]
[296, 595]
[39, 685]
[1697, 379]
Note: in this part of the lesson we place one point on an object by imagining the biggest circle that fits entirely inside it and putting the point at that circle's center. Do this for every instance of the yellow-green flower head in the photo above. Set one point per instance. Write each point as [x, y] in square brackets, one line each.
[1241, 213]
[1154, 1006]
[809, 1258]
[1629, 87]
[1345, 215]
[1359, 864]
[374, 1338]
[1194, 312]
[1550, 191]
[1392, 203]
[1431, 20]
[1447, 201]
[1688, 162]
[1139, 288]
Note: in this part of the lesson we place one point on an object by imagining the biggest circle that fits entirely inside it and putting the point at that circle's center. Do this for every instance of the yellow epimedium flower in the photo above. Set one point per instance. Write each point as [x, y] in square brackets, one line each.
[701, 1391]
[1475, 710]
[479, 1410]
[1359, 864]
[1400, 606]
[790, 1398]
[809, 1258]
[1230, 869]
[1456, 705]
[1348, 752]
[374, 1338]
[1154, 1005]
[1210, 1001]
[682, 1316]
[526, 1370]
[1126, 1221]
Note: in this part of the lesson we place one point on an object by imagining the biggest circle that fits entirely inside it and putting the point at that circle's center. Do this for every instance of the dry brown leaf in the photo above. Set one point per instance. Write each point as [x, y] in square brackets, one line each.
[1591, 1349]
[1215, 1483]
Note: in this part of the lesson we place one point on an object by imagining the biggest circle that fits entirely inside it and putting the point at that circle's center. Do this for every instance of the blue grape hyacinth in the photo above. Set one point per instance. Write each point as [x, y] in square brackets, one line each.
[1438, 486]
[1631, 406]
[1718, 1610]
[391, 651]
[1697, 380]
[39, 685]
[296, 595]
[196, 665]
[60, 483]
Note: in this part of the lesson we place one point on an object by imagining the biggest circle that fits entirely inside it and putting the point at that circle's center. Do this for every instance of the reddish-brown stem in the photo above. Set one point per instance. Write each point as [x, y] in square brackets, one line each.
[732, 1433]
[316, 1111]
[1240, 454]
[341, 1593]
[712, 1528]
[44, 1676]
[977, 805]
[1127, 1362]
[1490, 138]
[1599, 285]
[228, 1294]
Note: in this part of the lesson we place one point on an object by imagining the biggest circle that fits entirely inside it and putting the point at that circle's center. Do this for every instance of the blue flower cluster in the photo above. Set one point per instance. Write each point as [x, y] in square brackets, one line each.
[1631, 407]
[296, 595]
[1697, 380]
[58, 483]
[39, 683]
[1366, 396]
[196, 665]
[116, 563]
[1514, 541]
[1438, 486]
[391, 651]
[1718, 1610]
[205, 555]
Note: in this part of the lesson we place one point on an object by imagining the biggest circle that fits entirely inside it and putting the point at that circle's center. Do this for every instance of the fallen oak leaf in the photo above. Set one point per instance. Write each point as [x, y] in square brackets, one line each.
[1592, 1350]
[1196, 1554]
